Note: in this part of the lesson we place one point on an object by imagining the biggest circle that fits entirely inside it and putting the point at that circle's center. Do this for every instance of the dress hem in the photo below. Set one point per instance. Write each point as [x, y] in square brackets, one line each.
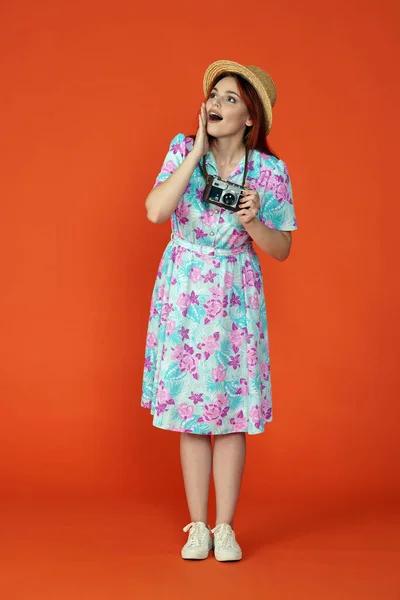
[182, 430]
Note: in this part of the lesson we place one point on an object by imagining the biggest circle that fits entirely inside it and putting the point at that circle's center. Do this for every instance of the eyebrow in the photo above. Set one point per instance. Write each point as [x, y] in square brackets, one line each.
[227, 92]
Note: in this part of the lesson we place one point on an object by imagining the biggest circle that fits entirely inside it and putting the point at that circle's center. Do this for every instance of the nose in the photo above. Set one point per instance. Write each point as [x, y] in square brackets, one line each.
[215, 101]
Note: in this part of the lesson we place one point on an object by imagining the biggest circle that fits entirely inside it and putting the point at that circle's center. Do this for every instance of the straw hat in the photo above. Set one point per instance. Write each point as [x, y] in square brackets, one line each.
[258, 78]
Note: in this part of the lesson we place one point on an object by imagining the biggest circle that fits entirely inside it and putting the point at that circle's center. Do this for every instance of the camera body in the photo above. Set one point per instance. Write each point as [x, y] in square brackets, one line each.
[223, 193]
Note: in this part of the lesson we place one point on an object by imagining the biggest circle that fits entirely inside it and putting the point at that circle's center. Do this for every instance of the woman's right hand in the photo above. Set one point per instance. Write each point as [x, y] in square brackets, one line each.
[201, 145]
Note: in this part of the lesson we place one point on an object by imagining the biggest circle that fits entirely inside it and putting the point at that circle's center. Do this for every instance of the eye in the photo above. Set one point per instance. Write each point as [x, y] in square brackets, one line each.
[212, 95]
[231, 99]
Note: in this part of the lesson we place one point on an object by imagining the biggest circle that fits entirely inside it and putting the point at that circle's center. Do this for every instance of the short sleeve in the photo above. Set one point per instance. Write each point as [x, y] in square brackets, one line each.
[175, 156]
[277, 210]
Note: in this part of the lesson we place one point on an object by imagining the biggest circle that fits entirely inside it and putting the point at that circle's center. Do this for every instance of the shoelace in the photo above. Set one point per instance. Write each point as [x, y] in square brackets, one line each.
[197, 532]
[224, 535]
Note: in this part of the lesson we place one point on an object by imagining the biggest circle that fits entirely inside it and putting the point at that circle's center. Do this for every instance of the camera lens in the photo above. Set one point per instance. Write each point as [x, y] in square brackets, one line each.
[229, 199]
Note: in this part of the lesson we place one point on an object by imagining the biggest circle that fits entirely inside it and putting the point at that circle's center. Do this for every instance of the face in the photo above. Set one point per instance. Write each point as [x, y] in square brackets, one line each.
[227, 113]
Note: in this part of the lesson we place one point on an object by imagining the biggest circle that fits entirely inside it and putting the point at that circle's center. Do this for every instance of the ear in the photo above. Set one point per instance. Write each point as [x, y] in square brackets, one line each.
[249, 122]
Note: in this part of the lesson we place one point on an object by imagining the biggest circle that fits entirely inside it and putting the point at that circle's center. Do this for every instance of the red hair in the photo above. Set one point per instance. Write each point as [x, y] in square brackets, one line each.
[255, 136]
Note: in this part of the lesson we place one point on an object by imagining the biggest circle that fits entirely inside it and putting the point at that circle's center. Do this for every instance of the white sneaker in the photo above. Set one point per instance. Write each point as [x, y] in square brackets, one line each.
[226, 547]
[199, 543]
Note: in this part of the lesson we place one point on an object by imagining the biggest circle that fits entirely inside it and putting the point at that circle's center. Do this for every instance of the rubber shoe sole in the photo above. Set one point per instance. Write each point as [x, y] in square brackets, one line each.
[195, 553]
[226, 556]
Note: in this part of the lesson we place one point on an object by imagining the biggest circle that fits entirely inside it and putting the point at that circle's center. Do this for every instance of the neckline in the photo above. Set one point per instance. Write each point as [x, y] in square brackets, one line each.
[238, 170]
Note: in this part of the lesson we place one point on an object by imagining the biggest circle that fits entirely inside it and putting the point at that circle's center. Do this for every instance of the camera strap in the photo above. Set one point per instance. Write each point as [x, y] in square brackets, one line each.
[203, 167]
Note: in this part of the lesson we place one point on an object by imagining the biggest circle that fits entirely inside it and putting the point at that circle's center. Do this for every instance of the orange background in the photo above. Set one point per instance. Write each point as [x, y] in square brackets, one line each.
[92, 93]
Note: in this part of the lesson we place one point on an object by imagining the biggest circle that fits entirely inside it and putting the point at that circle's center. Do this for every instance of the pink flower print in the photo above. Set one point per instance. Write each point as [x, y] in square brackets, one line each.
[252, 357]
[196, 398]
[210, 277]
[260, 329]
[173, 281]
[255, 415]
[282, 193]
[194, 299]
[269, 223]
[206, 258]
[177, 148]
[163, 352]
[265, 370]
[184, 303]
[170, 327]
[185, 411]
[248, 276]
[183, 212]
[200, 234]
[177, 353]
[228, 280]
[218, 374]
[235, 300]
[208, 217]
[254, 301]
[211, 344]
[188, 188]
[234, 362]
[187, 362]
[184, 333]
[217, 292]
[189, 143]
[163, 394]
[161, 408]
[222, 400]
[239, 423]
[169, 167]
[199, 194]
[248, 336]
[176, 255]
[212, 412]
[238, 238]
[151, 340]
[244, 388]
[237, 171]
[164, 399]
[266, 410]
[265, 175]
[165, 311]
[161, 292]
[147, 363]
[213, 308]
[236, 338]
[146, 404]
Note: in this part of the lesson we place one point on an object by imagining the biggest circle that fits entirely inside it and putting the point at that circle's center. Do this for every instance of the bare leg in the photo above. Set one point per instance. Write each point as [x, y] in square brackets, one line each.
[196, 459]
[229, 460]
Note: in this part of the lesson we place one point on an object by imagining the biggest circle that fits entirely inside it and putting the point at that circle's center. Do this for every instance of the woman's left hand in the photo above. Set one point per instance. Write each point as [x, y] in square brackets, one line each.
[250, 205]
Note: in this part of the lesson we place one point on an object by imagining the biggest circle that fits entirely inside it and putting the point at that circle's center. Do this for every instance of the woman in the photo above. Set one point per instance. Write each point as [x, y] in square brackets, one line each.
[207, 356]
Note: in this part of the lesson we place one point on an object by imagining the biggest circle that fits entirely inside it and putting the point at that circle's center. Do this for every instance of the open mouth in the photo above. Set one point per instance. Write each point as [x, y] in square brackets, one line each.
[214, 117]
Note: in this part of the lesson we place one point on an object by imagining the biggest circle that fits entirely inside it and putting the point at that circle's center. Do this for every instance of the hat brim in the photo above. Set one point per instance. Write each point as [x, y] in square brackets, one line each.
[228, 66]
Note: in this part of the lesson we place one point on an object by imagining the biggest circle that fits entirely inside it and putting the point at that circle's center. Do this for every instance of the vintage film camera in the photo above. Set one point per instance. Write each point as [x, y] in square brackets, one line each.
[223, 193]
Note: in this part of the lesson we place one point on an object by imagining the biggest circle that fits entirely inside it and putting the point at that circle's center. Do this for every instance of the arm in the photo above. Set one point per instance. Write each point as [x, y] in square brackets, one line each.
[271, 241]
[271, 225]
[164, 199]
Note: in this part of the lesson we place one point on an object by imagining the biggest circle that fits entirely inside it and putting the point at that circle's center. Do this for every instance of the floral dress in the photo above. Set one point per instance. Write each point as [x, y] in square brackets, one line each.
[207, 367]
